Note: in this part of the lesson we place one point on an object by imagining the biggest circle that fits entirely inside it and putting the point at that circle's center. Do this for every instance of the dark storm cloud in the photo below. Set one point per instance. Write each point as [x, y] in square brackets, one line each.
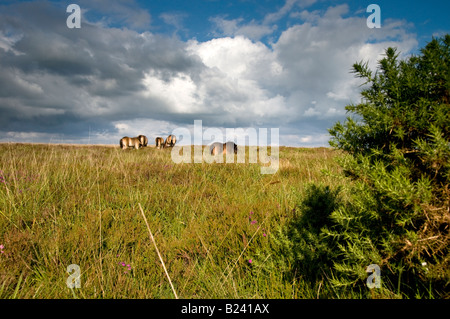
[122, 12]
[54, 78]
[68, 124]
[104, 52]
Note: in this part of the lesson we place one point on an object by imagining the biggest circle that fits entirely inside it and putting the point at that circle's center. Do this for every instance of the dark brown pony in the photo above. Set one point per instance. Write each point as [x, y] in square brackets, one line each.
[217, 148]
[159, 142]
[170, 141]
[143, 139]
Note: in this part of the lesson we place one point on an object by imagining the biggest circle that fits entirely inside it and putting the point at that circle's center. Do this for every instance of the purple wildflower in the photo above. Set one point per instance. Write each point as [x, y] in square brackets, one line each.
[123, 264]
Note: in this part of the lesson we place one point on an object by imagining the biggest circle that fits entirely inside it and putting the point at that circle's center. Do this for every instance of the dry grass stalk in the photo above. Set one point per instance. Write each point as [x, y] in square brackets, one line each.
[157, 251]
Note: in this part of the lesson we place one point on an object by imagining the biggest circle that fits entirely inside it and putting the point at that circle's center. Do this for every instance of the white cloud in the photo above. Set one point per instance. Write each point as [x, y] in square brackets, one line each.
[304, 140]
[178, 93]
[148, 127]
[319, 139]
[311, 112]
[284, 10]
[236, 27]
[231, 83]
[122, 127]
[317, 57]
[7, 42]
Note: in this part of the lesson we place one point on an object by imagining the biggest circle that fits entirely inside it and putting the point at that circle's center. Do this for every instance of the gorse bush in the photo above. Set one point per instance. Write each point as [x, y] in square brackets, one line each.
[398, 148]
[397, 162]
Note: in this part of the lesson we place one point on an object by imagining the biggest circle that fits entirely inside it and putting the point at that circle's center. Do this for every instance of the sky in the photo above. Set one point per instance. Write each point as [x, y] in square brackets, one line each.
[150, 67]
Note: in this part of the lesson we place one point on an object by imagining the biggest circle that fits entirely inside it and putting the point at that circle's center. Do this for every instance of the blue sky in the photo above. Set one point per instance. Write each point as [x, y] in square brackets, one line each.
[149, 67]
[192, 19]
[427, 17]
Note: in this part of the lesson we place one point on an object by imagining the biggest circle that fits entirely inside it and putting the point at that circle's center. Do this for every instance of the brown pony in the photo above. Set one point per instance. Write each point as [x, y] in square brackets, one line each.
[170, 141]
[126, 142]
[159, 142]
[143, 139]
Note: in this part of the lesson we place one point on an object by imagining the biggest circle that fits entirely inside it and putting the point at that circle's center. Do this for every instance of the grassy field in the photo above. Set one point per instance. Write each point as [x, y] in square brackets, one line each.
[212, 223]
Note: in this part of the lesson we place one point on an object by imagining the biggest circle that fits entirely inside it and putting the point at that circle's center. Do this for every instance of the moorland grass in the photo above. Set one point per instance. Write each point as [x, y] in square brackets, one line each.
[212, 222]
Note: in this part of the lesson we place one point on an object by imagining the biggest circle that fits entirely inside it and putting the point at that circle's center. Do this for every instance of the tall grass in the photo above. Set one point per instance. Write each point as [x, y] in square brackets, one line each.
[63, 205]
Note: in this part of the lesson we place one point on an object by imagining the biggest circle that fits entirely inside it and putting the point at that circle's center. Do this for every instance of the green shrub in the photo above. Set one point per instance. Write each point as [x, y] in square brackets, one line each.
[396, 210]
[398, 155]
